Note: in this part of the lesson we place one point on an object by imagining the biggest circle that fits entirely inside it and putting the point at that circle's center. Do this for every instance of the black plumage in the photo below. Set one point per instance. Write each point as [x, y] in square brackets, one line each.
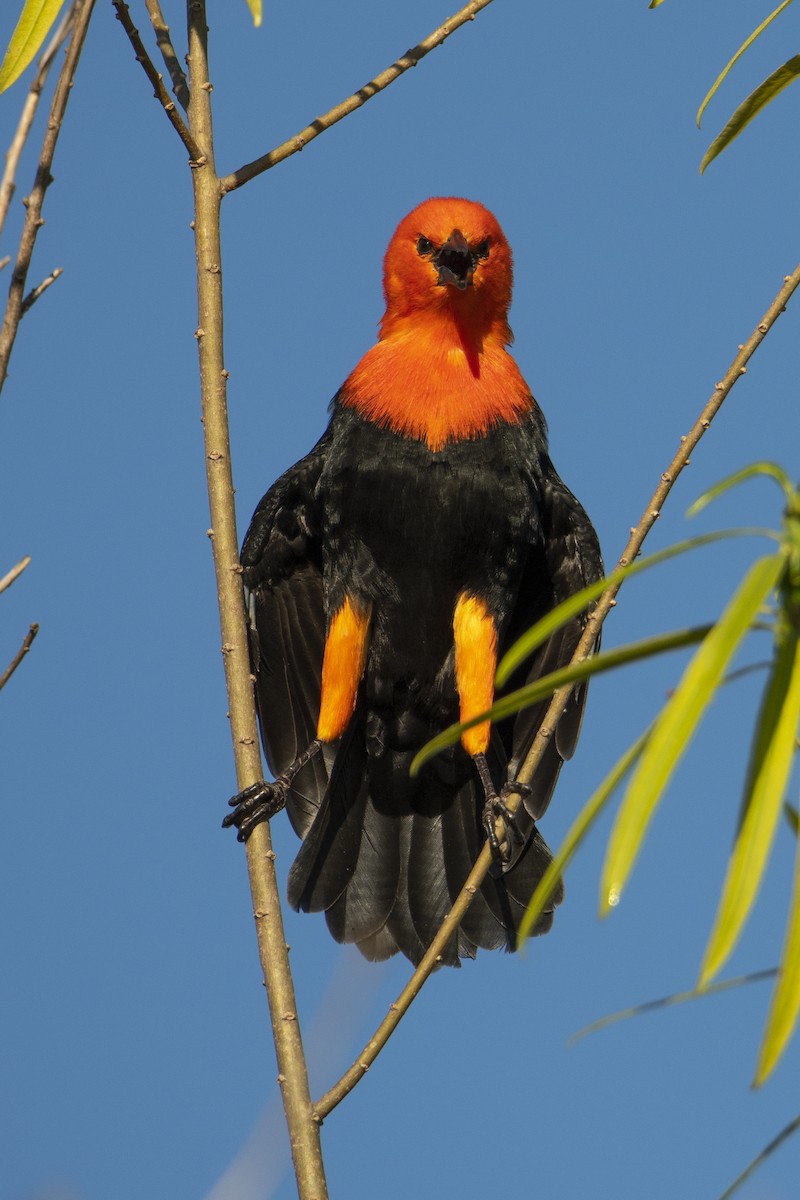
[405, 530]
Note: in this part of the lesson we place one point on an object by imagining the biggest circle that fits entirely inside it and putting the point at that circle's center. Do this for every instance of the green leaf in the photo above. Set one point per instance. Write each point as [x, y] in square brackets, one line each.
[540, 689]
[785, 1004]
[569, 608]
[639, 1010]
[771, 470]
[767, 775]
[738, 55]
[34, 23]
[255, 9]
[751, 107]
[677, 722]
[655, 3]
[577, 832]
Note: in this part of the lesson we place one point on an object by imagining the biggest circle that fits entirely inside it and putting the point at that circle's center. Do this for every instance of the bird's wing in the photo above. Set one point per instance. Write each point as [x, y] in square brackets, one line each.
[567, 560]
[282, 565]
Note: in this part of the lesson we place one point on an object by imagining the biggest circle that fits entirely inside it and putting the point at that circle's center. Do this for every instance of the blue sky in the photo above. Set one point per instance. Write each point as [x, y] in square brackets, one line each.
[137, 1058]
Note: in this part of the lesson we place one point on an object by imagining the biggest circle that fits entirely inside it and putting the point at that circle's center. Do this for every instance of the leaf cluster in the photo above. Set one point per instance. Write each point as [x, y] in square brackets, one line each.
[768, 597]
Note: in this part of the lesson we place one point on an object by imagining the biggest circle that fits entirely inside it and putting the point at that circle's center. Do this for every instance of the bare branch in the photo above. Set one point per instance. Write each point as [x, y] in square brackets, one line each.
[33, 220]
[604, 605]
[7, 184]
[14, 573]
[34, 294]
[18, 657]
[378, 84]
[179, 85]
[124, 17]
[293, 1075]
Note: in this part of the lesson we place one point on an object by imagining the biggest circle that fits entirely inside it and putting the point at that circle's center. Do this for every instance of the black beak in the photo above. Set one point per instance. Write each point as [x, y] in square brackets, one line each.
[455, 262]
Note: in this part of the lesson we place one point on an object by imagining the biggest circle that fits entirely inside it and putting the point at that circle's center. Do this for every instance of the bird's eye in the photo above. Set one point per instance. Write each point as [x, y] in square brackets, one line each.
[481, 251]
[424, 246]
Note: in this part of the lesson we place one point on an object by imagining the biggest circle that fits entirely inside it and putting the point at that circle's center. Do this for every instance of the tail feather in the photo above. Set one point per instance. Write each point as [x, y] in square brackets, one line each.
[386, 857]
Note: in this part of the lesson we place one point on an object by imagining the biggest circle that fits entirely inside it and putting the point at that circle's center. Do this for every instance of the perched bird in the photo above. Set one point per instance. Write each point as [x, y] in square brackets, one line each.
[385, 573]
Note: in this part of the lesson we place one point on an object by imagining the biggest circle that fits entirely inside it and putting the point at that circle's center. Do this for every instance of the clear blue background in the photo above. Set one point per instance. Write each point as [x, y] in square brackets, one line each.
[137, 1059]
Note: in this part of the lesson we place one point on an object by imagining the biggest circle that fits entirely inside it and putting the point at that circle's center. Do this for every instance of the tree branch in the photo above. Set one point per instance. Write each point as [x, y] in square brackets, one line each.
[8, 185]
[161, 29]
[18, 657]
[14, 573]
[160, 92]
[585, 647]
[34, 294]
[410, 59]
[33, 220]
[293, 1076]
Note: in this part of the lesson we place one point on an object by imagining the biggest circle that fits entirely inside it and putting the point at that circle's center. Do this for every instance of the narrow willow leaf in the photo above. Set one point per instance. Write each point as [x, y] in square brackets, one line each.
[655, 3]
[761, 1157]
[738, 55]
[540, 689]
[785, 1003]
[640, 1010]
[255, 9]
[677, 722]
[541, 631]
[770, 469]
[36, 20]
[577, 832]
[751, 107]
[767, 776]
[793, 818]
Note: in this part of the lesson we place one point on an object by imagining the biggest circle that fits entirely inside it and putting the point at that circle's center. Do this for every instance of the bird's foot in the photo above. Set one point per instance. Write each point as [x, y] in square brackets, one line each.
[261, 801]
[496, 809]
[257, 803]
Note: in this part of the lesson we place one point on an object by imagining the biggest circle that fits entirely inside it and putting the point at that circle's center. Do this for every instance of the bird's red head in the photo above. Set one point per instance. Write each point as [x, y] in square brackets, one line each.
[440, 370]
[448, 255]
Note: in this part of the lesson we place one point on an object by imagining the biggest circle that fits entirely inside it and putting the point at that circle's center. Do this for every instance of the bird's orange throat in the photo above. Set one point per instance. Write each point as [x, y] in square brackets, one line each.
[432, 382]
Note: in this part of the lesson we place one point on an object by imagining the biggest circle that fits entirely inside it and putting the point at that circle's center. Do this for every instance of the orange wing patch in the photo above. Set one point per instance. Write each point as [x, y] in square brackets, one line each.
[476, 662]
[342, 668]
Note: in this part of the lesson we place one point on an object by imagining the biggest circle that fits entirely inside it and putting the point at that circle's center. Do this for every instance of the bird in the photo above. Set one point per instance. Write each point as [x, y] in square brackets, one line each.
[385, 573]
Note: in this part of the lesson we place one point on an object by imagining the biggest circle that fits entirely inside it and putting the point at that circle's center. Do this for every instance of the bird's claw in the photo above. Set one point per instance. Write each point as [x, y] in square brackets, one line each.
[257, 803]
[496, 809]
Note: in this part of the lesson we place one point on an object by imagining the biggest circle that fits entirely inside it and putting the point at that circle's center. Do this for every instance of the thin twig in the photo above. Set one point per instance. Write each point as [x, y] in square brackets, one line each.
[34, 294]
[14, 152]
[18, 657]
[560, 699]
[180, 87]
[304, 1130]
[14, 573]
[160, 92]
[33, 218]
[378, 84]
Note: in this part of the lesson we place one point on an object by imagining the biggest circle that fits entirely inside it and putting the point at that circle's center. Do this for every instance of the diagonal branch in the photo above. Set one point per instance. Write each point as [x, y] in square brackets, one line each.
[14, 573]
[160, 92]
[410, 59]
[34, 294]
[8, 185]
[33, 219]
[18, 657]
[547, 729]
[161, 29]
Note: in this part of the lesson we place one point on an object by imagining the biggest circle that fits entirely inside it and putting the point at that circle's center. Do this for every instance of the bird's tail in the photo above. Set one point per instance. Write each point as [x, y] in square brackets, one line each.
[387, 855]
